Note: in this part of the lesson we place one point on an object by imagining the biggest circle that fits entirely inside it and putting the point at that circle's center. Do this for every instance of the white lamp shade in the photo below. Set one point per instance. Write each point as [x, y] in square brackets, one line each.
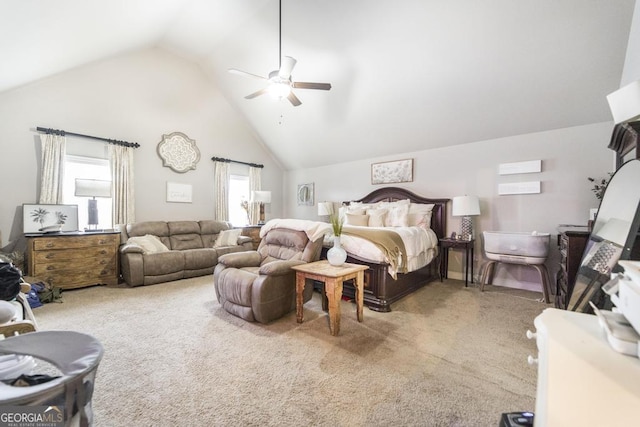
[325, 208]
[261, 196]
[625, 103]
[92, 188]
[465, 206]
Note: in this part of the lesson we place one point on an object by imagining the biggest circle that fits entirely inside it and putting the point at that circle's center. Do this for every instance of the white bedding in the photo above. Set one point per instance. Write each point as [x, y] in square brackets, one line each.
[421, 246]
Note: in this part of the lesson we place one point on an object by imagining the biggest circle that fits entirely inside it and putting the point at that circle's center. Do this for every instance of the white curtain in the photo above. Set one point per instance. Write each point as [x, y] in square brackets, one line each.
[255, 184]
[53, 151]
[221, 190]
[121, 159]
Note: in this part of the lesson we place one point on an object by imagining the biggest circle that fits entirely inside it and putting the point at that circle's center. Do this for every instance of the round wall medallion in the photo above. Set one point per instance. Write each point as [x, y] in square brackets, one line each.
[178, 152]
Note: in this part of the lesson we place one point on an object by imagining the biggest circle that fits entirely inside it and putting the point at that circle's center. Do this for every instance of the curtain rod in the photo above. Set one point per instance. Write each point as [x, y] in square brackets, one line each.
[110, 141]
[220, 159]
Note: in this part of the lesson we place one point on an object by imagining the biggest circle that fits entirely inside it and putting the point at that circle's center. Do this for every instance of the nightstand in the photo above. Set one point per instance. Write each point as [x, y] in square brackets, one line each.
[467, 246]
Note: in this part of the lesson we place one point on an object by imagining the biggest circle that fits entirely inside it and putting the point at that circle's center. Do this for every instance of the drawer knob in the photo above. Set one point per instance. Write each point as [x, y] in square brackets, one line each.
[50, 245]
[531, 335]
[532, 360]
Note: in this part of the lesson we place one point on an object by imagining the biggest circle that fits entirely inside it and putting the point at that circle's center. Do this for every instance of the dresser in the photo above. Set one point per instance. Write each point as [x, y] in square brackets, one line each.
[582, 381]
[572, 240]
[74, 260]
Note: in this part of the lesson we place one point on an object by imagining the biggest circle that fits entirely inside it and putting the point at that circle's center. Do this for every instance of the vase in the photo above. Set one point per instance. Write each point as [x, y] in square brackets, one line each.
[336, 255]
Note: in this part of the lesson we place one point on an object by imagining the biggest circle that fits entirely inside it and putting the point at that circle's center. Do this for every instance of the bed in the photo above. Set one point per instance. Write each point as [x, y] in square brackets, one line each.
[386, 281]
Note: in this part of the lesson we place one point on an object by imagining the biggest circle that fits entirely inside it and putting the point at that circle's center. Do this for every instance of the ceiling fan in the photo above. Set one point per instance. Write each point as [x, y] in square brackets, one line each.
[280, 84]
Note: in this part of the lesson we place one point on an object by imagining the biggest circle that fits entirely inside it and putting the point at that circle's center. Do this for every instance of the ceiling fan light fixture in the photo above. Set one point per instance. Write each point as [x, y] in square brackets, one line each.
[279, 90]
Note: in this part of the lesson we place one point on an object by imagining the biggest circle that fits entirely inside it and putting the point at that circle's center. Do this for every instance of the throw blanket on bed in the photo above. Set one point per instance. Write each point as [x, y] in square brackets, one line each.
[313, 229]
[389, 242]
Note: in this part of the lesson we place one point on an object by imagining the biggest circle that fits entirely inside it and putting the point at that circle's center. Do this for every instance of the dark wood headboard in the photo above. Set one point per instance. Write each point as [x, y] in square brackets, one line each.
[392, 194]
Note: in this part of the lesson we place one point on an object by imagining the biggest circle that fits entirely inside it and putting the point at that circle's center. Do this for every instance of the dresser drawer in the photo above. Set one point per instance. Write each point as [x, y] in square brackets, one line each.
[74, 242]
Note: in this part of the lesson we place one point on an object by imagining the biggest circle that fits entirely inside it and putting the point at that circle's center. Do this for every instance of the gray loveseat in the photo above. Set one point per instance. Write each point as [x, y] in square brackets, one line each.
[187, 250]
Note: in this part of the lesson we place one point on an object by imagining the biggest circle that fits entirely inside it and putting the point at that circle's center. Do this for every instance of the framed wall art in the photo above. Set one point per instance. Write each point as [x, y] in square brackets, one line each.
[179, 193]
[178, 152]
[43, 218]
[305, 194]
[392, 172]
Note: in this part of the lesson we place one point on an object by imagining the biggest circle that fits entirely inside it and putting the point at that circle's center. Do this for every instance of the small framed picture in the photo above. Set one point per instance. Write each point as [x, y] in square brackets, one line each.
[44, 218]
[305, 194]
[392, 172]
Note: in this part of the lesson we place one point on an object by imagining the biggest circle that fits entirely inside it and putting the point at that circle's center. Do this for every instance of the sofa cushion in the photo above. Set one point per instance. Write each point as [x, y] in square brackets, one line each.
[282, 243]
[209, 230]
[159, 229]
[163, 263]
[184, 235]
[149, 243]
[198, 259]
[181, 242]
[228, 238]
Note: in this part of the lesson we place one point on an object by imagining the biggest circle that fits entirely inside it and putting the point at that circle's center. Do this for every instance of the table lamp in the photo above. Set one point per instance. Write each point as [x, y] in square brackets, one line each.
[92, 188]
[466, 207]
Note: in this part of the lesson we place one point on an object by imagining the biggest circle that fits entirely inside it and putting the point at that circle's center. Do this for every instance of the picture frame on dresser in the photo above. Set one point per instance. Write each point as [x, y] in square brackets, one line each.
[49, 218]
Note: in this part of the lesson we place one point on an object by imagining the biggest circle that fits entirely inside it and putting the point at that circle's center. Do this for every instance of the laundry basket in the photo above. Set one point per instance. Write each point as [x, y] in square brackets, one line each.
[77, 357]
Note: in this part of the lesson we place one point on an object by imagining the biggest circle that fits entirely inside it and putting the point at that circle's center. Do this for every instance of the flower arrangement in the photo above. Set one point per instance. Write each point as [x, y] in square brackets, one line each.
[600, 185]
[336, 224]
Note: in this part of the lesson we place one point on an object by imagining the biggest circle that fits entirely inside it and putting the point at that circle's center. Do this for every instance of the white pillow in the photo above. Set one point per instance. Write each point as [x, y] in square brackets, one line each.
[377, 217]
[420, 215]
[228, 237]
[149, 243]
[360, 220]
[397, 216]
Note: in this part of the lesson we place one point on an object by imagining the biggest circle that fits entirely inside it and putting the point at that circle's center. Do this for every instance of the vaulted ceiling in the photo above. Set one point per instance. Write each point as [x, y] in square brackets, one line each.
[407, 75]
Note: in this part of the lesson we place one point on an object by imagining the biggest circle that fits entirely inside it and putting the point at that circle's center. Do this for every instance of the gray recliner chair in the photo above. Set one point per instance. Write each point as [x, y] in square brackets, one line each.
[260, 285]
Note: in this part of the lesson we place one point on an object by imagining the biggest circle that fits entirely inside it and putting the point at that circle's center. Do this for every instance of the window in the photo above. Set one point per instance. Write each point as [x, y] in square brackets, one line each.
[87, 168]
[238, 193]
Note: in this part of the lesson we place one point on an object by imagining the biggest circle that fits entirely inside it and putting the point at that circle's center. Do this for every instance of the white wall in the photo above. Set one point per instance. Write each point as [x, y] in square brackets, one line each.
[136, 97]
[568, 157]
[631, 71]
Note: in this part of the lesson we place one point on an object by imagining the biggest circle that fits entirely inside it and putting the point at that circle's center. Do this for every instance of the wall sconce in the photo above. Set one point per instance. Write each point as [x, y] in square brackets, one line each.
[466, 207]
[92, 188]
[261, 197]
[625, 103]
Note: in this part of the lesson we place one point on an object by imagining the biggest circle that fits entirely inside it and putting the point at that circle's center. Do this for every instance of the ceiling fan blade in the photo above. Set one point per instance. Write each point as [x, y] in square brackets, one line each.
[293, 99]
[258, 93]
[286, 67]
[308, 85]
[245, 74]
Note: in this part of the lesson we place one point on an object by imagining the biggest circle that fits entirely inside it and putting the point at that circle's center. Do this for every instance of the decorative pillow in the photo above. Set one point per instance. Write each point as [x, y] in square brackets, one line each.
[377, 217]
[228, 237]
[397, 216]
[360, 220]
[149, 243]
[420, 215]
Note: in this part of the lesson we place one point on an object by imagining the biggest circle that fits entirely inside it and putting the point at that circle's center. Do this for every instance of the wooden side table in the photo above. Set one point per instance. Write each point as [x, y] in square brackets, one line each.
[253, 231]
[467, 246]
[332, 277]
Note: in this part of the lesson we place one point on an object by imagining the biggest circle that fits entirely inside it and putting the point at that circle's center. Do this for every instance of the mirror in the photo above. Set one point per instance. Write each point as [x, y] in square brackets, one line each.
[612, 238]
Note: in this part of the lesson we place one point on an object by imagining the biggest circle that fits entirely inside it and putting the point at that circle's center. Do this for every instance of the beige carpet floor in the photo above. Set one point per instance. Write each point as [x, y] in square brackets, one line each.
[445, 356]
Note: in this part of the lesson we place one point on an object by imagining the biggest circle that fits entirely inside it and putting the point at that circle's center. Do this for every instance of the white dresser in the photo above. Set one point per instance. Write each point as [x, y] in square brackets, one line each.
[582, 381]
